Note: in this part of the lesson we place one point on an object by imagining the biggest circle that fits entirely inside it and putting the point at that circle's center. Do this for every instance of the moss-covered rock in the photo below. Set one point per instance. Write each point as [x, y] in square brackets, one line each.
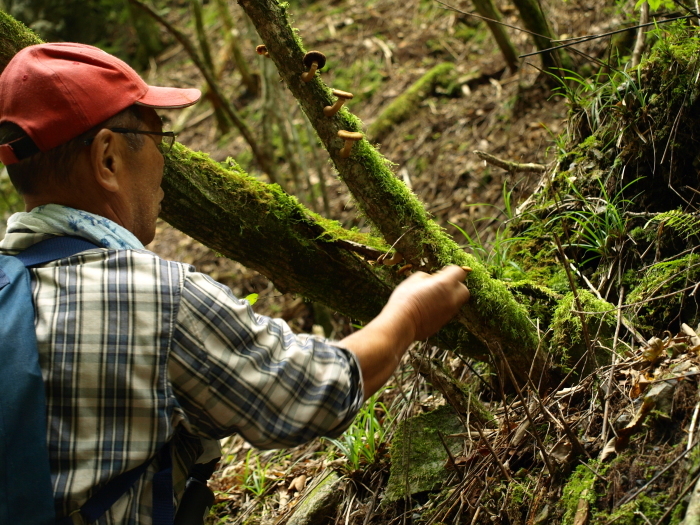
[418, 456]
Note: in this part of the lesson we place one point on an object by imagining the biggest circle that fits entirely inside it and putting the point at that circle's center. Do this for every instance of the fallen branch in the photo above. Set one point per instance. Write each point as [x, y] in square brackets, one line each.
[511, 166]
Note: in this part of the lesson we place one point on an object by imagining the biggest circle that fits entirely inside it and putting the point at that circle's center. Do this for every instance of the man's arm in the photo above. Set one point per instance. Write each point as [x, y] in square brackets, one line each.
[417, 309]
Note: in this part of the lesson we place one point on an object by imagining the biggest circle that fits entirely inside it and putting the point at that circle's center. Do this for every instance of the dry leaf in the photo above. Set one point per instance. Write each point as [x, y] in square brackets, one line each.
[298, 483]
[694, 339]
[561, 451]
[639, 387]
[608, 450]
[653, 352]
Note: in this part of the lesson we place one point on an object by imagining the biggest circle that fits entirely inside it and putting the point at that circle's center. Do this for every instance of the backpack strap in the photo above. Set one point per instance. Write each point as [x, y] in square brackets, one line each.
[100, 502]
[26, 493]
[53, 249]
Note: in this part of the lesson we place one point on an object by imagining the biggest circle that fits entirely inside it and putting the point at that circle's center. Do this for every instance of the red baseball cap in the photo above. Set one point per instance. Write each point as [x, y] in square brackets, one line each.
[58, 91]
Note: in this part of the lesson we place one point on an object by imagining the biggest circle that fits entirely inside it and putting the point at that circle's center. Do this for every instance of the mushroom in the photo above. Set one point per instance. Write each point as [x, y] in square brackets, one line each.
[329, 111]
[314, 60]
[350, 137]
[390, 261]
[262, 50]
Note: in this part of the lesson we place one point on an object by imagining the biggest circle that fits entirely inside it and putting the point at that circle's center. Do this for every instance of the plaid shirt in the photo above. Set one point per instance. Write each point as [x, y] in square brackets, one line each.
[137, 351]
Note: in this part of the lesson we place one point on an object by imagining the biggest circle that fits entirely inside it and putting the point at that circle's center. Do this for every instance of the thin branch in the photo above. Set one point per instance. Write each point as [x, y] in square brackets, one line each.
[510, 166]
[602, 35]
[678, 499]
[486, 19]
[545, 456]
[503, 468]
[641, 489]
[639, 44]
[608, 393]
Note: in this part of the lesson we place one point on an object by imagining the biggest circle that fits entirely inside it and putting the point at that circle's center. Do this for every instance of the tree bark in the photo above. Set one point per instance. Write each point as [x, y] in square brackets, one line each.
[487, 9]
[535, 21]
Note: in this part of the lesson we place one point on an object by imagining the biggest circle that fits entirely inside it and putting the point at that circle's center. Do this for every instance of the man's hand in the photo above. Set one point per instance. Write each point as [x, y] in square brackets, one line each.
[429, 301]
[417, 308]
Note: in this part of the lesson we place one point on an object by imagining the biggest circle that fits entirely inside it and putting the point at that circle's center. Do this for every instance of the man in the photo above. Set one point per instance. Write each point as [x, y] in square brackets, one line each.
[135, 351]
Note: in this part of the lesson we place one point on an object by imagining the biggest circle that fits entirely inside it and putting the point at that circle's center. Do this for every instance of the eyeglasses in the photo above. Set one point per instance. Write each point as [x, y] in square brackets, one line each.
[164, 145]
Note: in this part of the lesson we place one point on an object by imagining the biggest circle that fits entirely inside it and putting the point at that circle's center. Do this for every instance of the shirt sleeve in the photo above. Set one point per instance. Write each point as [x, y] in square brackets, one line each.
[234, 371]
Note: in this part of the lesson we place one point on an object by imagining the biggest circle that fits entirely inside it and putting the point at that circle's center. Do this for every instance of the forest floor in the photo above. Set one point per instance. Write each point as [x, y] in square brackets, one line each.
[377, 49]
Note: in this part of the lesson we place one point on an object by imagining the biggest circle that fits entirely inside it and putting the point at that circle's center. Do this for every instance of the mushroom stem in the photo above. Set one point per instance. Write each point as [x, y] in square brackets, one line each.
[309, 75]
[345, 152]
[329, 111]
[349, 137]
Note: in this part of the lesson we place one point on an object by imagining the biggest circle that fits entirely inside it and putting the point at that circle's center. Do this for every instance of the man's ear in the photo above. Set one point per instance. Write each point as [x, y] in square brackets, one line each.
[106, 160]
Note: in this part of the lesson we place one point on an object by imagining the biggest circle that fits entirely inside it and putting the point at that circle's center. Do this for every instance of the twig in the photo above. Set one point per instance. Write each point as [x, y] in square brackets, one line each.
[487, 19]
[510, 166]
[450, 456]
[545, 456]
[625, 322]
[641, 489]
[584, 324]
[693, 422]
[366, 251]
[503, 468]
[594, 37]
[571, 434]
[593, 471]
[245, 131]
[639, 44]
[678, 499]
[608, 393]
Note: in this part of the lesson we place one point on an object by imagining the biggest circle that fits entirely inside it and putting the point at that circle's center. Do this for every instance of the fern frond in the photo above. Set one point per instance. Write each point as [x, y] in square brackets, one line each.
[685, 224]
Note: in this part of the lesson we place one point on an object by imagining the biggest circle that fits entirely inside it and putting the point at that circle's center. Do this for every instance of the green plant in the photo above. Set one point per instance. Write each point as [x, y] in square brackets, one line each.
[601, 226]
[362, 441]
[254, 478]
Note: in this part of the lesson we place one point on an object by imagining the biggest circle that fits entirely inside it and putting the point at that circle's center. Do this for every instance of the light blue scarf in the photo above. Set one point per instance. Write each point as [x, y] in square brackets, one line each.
[61, 220]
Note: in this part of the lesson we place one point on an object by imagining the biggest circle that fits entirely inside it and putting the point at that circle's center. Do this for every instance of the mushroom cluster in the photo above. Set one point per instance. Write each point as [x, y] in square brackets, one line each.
[315, 60]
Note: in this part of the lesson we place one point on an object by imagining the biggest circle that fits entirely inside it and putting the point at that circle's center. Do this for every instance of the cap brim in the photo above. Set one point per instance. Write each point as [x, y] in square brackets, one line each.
[167, 97]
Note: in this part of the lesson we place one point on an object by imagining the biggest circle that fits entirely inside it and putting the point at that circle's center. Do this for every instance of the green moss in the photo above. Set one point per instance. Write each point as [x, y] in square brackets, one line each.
[661, 279]
[15, 37]
[406, 104]
[540, 301]
[628, 514]
[580, 486]
[568, 340]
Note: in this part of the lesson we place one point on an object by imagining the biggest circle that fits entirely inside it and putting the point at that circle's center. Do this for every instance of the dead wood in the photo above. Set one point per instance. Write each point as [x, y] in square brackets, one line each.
[509, 165]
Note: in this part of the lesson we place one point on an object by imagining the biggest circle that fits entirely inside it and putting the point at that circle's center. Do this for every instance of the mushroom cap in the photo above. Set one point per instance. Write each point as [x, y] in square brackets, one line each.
[343, 94]
[315, 56]
[261, 49]
[350, 135]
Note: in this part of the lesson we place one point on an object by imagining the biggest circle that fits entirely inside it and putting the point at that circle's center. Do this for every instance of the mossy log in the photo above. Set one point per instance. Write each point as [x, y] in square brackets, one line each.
[493, 315]
[403, 106]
